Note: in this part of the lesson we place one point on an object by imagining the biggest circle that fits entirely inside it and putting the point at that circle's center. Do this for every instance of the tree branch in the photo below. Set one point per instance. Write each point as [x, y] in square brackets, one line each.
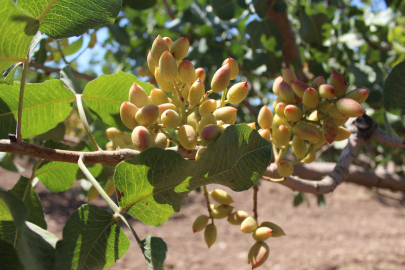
[57, 70]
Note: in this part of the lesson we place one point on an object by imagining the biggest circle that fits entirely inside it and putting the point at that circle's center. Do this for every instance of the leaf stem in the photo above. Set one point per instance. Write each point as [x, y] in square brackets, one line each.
[193, 109]
[84, 121]
[170, 137]
[138, 240]
[182, 102]
[207, 199]
[255, 191]
[21, 98]
[43, 14]
[93, 180]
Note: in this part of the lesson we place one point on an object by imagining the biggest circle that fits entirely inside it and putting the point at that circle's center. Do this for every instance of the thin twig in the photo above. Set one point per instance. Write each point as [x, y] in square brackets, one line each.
[85, 123]
[255, 191]
[57, 70]
[207, 199]
[21, 99]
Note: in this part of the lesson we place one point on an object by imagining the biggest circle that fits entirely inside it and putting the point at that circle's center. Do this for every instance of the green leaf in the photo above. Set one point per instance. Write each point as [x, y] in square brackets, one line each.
[139, 4]
[45, 105]
[56, 134]
[59, 176]
[34, 251]
[154, 249]
[280, 7]
[298, 198]
[321, 200]
[261, 7]
[313, 28]
[74, 47]
[271, 29]
[10, 72]
[8, 257]
[388, 127]
[67, 77]
[17, 31]
[72, 18]
[40, 55]
[24, 191]
[255, 30]
[224, 9]
[152, 186]
[394, 90]
[105, 95]
[92, 239]
[7, 162]
[120, 34]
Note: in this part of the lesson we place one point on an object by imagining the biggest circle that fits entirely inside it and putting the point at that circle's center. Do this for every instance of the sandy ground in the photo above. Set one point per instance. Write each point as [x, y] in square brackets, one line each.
[356, 230]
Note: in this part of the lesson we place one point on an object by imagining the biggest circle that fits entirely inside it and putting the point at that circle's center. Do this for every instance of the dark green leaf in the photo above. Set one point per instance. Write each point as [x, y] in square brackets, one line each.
[154, 249]
[72, 18]
[261, 7]
[280, 7]
[224, 9]
[102, 241]
[105, 95]
[8, 257]
[321, 200]
[153, 185]
[394, 90]
[120, 34]
[24, 191]
[9, 73]
[271, 29]
[56, 134]
[7, 162]
[139, 4]
[255, 29]
[313, 28]
[45, 105]
[67, 77]
[40, 55]
[388, 127]
[298, 198]
[74, 47]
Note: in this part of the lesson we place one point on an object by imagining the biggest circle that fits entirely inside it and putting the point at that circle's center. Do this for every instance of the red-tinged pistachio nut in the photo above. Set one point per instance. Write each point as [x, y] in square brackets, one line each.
[210, 133]
[151, 64]
[326, 91]
[258, 254]
[277, 121]
[318, 81]
[196, 92]
[165, 106]
[279, 110]
[234, 67]
[265, 117]
[276, 85]
[281, 136]
[147, 115]
[286, 92]
[199, 153]
[138, 96]
[179, 48]
[341, 122]
[141, 138]
[335, 113]
[265, 133]
[277, 101]
[249, 225]
[252, 125]
[158, 47]
[109, 187]
[277, 230]
[289, 75]
[170, 118]
[299, 147]
[210, 234]
[167, 67]
[319, 144]
[237, 217]
[208, 106]
[200, 74]
[262, 234]
[160, 140]
[360, 95]
[226, 114]
[200, 223]
[164, 85]
[92, 193]
[192, 120]
[311, 157]
[158, 97]
[168, 41]
[350, 107]
[221, 79]
[339, 83]
[220, 211]
[238, 92]
[310, 98]
[185, 92]
[307, 132]
[329, 130]
[127, 113]
[186, 71]
[293, 113]
[325, 106]
[299, 88]
[285, 168]
[187, 137]
[343, 134]
[113, 132]
[208, 119]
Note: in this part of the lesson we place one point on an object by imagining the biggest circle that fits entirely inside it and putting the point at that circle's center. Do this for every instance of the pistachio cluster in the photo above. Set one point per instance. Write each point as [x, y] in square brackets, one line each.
[314, 114]
[181, 103]
[260, 251]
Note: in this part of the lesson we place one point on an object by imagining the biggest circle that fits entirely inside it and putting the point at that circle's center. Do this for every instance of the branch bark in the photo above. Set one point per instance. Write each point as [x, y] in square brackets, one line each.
[57, 70]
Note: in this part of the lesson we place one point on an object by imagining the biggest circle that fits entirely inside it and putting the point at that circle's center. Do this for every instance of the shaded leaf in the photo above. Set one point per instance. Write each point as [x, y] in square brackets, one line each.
[9, 73]
[7, 162]
[105, 95]
[45, 105]
[298, 198]
[67, 77]
[388, 127]
[56, 134]
[254, 29]
[271, 29]
[152, 186]
[261, 7]
[224, 9]
[72, 18]
[8, 257]
[139, 4]
[40, 55]
[154, 249]
[92, 239]
[321, 200]
[394, 90]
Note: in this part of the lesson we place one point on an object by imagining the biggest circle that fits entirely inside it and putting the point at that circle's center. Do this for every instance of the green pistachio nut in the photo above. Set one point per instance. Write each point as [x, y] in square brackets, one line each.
[249, 225]
[196, 92]
[208, 106]
[221, 79]
[339, 83]
[200, 74]
[234, 68]
[127, 113]
[210, 234]
[237, 217]
[265, 117]
[147, 115]
[138, 96]
[226, 114]
[158, 47]
[170, 118]
[238, 92]
[299, 88]
[285, 168]
[258, 254]
[199, 153]
[293, 113]
[360, 95]
[310, 98]
[262, 234]
[343, 134]
[158, 97]
[220, 211]
[318, 81]
[326, 91]
[167, 67]
[187, 137]
[289, 75]
[307, 132]
[141, 138]
[299, 147]
[221, 196]
[179, 48]
[186, 71]
[286, 92]
[200, 223]
[277, 230]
